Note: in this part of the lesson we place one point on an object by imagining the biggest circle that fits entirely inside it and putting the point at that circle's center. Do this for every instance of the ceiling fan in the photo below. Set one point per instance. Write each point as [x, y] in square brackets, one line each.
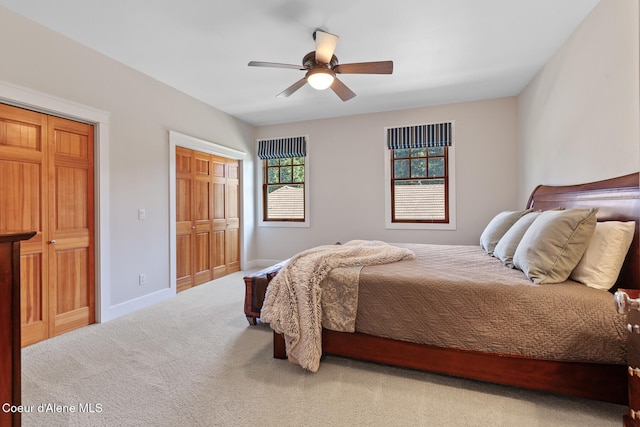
[322, 66]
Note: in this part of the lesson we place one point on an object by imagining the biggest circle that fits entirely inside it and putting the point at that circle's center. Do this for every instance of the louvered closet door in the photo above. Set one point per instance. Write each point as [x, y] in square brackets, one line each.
[46, 185]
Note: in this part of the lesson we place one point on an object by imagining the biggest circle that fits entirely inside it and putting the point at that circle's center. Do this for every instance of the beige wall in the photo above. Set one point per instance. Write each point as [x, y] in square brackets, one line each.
[346, 164]
[141, 112]
[578, 118]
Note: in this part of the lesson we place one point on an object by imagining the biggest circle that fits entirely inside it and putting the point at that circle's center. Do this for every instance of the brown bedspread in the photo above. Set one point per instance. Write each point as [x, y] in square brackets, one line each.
[459, 297]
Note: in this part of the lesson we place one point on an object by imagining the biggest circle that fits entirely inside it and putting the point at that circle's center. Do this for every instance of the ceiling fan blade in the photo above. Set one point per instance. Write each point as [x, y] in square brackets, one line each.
[325, 46]
[294, 87]
[275, 65]
[379, 67]
[342, 90]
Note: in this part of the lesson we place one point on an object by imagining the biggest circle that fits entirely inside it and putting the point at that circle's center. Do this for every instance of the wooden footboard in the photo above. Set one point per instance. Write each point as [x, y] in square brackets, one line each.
[255, 289]
[596, 381]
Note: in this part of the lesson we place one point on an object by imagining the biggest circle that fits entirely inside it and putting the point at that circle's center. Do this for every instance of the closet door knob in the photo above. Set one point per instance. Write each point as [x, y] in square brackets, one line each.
[53, 242]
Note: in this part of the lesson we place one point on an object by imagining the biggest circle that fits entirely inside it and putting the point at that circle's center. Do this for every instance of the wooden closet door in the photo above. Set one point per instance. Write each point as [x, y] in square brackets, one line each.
[226, 217]
[207, 217]
[70, 240]
[23, 198]
[184, 219]
[47, 185]
[219, 216]
[194, 209]
[233, 216]
[203, 218]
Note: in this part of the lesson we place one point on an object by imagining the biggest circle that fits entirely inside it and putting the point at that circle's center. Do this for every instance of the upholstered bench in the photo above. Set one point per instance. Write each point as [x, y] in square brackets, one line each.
[256, 287]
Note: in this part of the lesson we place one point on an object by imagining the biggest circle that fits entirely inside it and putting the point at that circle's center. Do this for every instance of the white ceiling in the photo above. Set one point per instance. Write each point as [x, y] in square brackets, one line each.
[444, 51]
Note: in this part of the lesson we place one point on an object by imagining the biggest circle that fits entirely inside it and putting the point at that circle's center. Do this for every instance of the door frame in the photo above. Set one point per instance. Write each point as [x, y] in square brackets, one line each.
[177, 139]
[41, 102]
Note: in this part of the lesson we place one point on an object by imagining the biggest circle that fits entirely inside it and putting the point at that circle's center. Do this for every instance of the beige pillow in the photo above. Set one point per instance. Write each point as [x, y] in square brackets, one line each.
[553, 245]
[600, 265]
[497, 227]
[506, 247]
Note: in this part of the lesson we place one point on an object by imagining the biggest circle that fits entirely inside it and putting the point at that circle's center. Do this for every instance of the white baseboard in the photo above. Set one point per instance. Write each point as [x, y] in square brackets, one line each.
[261, 263]
[135, 304]
[124, 308]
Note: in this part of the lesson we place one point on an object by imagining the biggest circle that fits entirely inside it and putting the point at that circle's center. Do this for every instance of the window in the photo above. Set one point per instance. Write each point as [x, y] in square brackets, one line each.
[419, 185]
[283, 189]
[419, 171]
[284, 181]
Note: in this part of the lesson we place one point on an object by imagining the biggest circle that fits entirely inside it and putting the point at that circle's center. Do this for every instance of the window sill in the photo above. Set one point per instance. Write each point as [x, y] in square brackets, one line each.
[419, 226]
[284, 224]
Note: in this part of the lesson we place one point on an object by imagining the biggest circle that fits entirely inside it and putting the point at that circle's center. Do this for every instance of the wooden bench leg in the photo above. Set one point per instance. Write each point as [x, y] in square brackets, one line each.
[252, 320]
[279, 349]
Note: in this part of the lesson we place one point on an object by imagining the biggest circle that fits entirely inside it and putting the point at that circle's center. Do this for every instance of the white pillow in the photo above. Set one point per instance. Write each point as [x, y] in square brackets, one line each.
[497, 227]
[601, 263]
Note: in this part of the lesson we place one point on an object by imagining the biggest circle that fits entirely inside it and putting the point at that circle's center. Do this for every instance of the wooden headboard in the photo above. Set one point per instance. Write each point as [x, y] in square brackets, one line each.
[618, 200]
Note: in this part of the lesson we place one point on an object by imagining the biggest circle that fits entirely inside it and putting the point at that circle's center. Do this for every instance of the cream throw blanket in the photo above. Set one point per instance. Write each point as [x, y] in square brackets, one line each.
[292, 304]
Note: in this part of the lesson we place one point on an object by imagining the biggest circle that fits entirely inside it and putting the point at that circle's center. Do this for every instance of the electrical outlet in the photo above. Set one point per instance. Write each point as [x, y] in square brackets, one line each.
[142, 279]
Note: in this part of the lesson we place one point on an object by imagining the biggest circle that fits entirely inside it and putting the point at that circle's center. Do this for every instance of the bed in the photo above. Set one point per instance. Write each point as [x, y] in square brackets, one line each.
[572, 369]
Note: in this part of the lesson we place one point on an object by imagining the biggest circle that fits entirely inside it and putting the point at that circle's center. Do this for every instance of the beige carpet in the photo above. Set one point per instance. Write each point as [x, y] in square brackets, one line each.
[195, 361]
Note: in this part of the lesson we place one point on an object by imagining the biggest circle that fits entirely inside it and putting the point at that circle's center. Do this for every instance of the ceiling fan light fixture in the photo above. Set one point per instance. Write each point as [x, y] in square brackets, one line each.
[320, 78]
[322, 66]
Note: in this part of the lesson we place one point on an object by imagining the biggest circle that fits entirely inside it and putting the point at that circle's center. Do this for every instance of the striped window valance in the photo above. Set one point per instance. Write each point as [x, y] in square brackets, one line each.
[282, 147]
[420, 136]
